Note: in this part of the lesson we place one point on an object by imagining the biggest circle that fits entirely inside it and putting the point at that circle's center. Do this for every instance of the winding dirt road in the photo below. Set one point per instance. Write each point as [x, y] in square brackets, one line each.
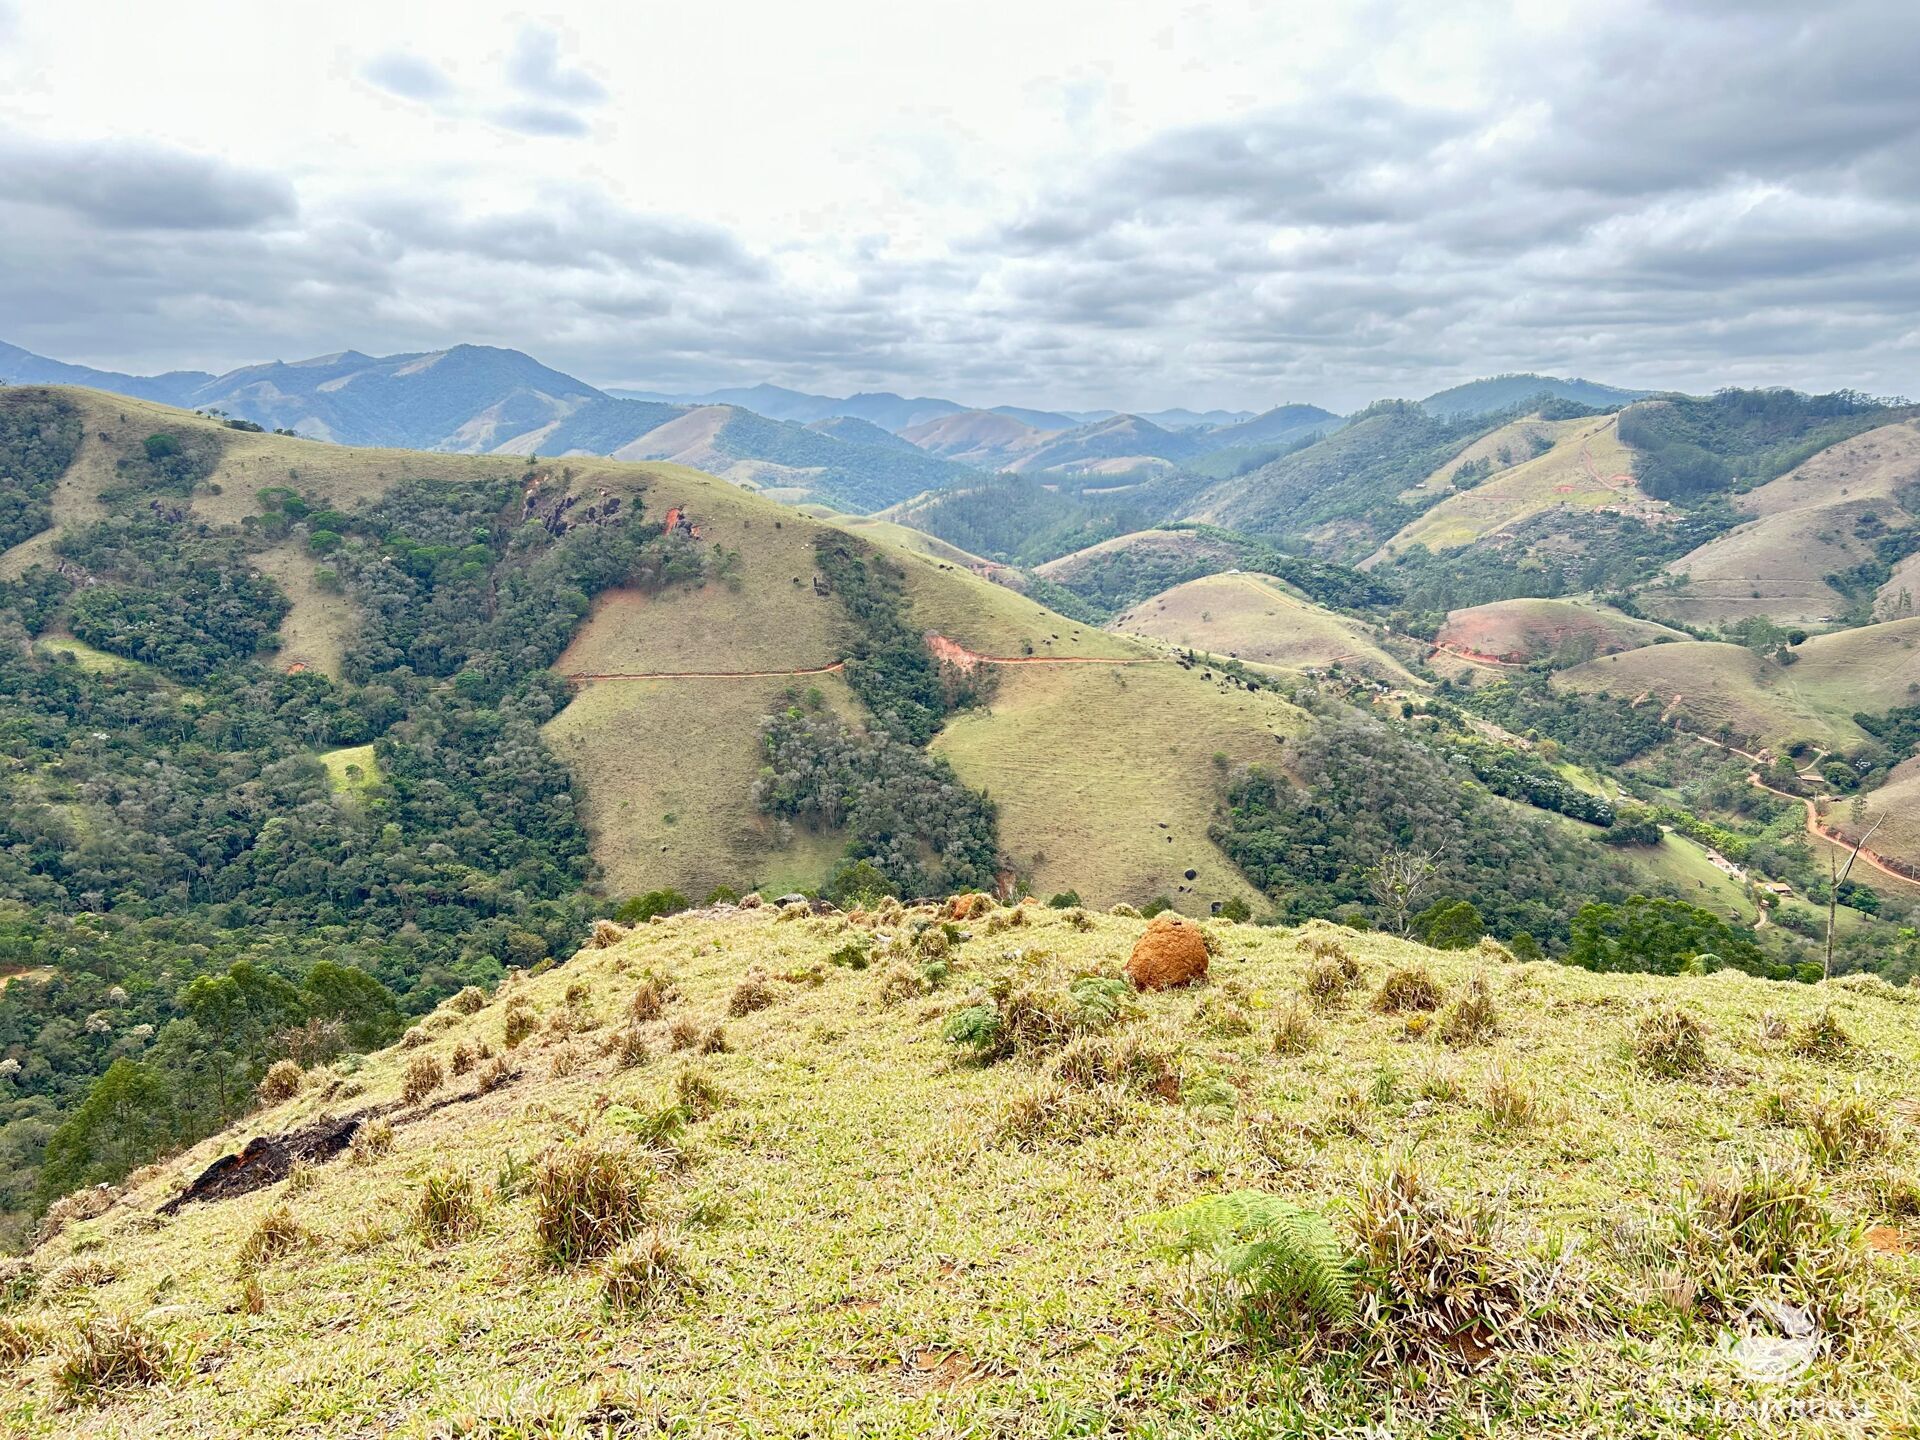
[943, 649]
[1820, 832]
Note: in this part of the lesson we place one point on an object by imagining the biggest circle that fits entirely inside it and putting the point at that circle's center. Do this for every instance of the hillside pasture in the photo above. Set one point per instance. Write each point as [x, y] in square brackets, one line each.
[1106, 776]
[1564, 632]
[1586, 469]
[862, 1231]
[1818, 519]
[1253, 618]
[1708, 684]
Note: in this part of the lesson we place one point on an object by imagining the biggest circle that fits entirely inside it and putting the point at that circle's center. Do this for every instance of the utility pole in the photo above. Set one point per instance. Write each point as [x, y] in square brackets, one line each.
[1833, 891]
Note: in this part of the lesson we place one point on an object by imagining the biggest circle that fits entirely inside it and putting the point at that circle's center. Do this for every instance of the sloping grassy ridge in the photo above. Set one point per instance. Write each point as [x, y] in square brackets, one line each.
[824, 1218]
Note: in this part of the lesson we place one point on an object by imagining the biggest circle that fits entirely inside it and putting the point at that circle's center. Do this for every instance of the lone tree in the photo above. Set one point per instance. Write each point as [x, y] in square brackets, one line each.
[1398, 880]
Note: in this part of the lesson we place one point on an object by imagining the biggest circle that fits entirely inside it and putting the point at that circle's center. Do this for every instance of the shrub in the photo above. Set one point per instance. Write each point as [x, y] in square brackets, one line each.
[1273, 1264]
[493, 1075]
[470, 1001]
[564, 1061]
[462, 1058]
[754, 992]
[642, 908]
[1839, 1132]
[1821, 1038]
[373, 1139]
[578, 993]
[647, 1002]
[1294, 1031]
[273, 1235]
[713, 1041]
[416, 1036]
[423, 1077]
[629, 1047]
[587, 1200]
[685, 1034]
[448, 1208]
[521, 1022]
[1411, 987]
[281, 1082]
[645, 1269]
[1235, 910]
[108, 1352]
[1670, 1043]
[1473, 1017]
[856, 954]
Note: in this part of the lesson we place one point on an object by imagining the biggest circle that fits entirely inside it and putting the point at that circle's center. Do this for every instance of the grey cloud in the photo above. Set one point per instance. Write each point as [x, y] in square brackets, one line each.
[568, 229]
[136, 186]
[408, 76]
[535, 68]
[1696, 194]
[548, 120]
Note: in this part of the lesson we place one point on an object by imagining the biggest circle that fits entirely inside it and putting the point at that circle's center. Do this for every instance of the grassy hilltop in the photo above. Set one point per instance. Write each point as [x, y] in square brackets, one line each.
[879, 1174]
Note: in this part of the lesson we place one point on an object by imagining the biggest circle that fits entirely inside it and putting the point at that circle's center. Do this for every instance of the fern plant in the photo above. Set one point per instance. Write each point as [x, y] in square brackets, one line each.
[1276, 1258]
[1098, 1001]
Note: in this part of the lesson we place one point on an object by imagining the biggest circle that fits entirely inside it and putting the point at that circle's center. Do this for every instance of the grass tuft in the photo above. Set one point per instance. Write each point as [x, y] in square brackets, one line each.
[1670, 1043]
[588, 1199]
[1473, 1018]
[448, 1208]
[1821, 1038]
[274, 1234]
[281, 1082]
[105, 1353]
[645, 1270]
[1411, 987]
[423, 1076]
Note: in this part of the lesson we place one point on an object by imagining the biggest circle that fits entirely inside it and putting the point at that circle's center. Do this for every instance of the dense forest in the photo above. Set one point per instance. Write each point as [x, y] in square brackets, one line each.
[1686, 447]
[1361, 791]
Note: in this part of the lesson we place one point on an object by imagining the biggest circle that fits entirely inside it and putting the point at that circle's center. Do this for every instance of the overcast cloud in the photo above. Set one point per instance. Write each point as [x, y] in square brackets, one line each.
[1239, 205]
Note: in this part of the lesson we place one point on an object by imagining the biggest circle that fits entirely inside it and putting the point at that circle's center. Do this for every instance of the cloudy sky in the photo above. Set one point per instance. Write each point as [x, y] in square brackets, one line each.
[1059, 203]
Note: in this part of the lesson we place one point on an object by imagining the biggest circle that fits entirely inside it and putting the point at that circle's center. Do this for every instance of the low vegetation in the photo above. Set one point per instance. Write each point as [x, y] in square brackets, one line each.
[1262, 1199]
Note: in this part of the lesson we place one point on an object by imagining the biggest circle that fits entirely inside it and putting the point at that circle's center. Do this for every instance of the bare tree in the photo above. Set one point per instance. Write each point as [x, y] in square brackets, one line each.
[1398, 880]
[1834, 881]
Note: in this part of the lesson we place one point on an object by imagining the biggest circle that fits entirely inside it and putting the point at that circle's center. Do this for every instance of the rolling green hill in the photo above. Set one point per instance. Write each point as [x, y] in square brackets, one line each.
[1849, 516]
[1712, 684]
[1343, 494]
[1255, 619]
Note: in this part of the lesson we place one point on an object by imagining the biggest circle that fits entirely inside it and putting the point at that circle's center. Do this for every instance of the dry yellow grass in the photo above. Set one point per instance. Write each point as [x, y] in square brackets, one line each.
[1587, 469]
[892, 1241]
[1106, 777]
[1255, 619]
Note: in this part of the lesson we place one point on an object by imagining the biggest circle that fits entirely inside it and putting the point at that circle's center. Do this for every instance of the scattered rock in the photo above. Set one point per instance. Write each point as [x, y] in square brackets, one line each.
[1172, 952]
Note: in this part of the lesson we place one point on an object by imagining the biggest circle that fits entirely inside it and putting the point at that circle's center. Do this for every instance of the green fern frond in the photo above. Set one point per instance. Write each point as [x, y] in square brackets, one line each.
[1277, 1254]
[1098, 1000]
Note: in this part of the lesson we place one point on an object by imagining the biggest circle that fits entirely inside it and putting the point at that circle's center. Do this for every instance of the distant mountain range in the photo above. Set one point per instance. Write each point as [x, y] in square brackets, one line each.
[858, 453]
